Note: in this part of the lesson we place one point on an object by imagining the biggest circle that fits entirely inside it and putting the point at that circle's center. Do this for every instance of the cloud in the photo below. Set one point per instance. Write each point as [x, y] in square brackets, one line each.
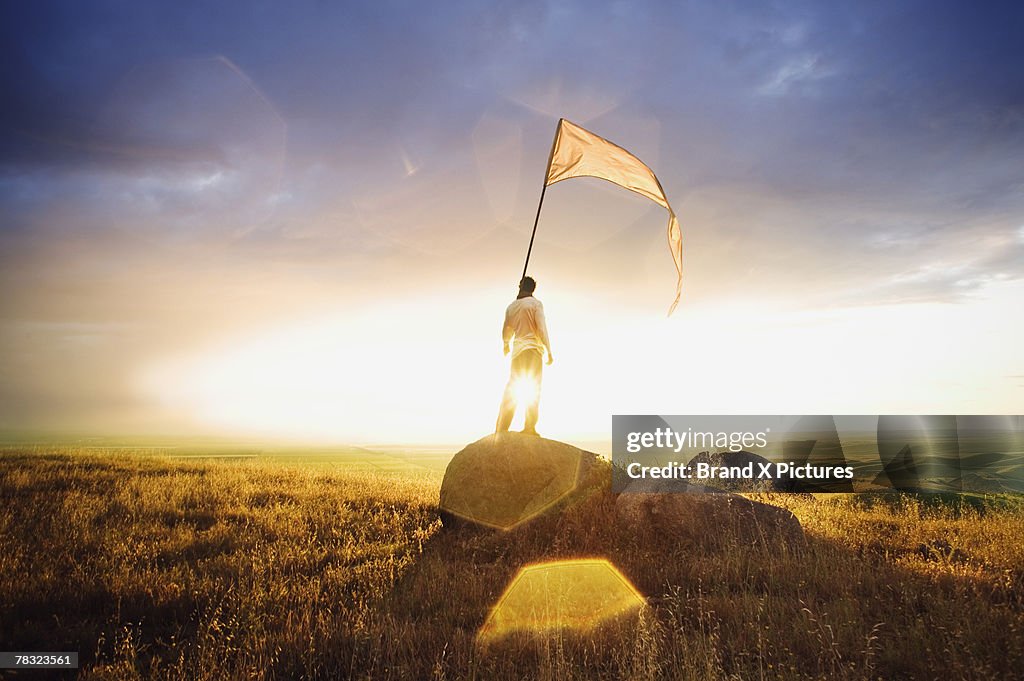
[802, 71]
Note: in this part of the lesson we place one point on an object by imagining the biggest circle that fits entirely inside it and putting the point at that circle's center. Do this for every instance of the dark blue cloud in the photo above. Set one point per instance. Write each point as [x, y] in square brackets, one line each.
[870, 72]
[872, 113]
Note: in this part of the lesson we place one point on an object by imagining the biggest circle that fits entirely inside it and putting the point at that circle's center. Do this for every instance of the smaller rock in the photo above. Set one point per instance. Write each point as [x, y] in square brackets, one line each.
[705, 515]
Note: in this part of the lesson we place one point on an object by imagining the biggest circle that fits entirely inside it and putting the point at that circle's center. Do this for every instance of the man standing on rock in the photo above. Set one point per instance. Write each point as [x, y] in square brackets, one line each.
[526, 329]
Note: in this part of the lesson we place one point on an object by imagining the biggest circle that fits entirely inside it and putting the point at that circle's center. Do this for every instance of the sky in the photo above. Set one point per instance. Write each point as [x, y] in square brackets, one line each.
[304, 220]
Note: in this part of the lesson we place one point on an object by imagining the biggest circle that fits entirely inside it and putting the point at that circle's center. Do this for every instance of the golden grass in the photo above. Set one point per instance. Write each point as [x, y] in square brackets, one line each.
[164, 569]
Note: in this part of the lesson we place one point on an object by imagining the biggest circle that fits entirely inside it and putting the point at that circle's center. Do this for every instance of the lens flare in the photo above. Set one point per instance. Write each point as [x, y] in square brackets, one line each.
[575, 595]
[525, 391]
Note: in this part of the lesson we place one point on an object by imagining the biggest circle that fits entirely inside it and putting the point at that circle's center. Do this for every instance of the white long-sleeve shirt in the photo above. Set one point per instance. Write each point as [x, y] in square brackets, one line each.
[524, 322]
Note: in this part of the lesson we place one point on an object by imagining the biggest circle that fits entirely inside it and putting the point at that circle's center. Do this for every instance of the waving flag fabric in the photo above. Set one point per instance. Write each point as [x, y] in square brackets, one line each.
[578, 153]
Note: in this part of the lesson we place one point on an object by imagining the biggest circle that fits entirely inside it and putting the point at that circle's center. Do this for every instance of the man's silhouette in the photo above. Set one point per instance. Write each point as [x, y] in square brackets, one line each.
[526, 329]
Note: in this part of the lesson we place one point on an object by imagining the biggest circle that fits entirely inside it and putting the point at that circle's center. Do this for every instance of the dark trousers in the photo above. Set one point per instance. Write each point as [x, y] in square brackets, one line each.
[527, 366]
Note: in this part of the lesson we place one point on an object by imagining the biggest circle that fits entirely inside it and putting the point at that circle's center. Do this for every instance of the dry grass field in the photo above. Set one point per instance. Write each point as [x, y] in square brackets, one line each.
[161, 568]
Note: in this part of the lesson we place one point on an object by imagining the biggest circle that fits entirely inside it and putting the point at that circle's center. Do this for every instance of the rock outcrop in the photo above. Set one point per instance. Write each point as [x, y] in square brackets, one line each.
[505, 479]
[705, 515]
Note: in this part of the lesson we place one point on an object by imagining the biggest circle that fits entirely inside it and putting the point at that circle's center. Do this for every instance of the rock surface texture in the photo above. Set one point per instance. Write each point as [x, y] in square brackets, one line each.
[705, 515]
[505, 479]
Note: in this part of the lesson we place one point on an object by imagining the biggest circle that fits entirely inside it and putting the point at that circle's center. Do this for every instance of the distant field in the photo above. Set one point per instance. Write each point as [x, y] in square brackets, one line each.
[193, 563]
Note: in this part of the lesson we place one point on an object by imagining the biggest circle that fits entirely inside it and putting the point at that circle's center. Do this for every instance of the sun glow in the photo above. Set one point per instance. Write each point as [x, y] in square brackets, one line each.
[426, 370]
[525, 390]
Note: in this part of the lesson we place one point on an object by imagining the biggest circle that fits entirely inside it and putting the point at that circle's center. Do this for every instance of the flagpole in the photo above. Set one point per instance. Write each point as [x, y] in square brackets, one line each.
[540, 203]
[534, 233]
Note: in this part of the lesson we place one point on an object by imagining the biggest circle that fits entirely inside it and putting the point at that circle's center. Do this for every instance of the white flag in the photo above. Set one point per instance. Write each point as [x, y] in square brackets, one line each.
[578, 153]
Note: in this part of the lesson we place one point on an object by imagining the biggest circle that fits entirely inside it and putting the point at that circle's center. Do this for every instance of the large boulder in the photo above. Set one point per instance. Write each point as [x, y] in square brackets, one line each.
[505, 479]
[704, 515]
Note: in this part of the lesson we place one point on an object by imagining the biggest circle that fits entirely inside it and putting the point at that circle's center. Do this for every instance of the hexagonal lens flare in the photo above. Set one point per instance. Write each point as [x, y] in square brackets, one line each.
[575, 595]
